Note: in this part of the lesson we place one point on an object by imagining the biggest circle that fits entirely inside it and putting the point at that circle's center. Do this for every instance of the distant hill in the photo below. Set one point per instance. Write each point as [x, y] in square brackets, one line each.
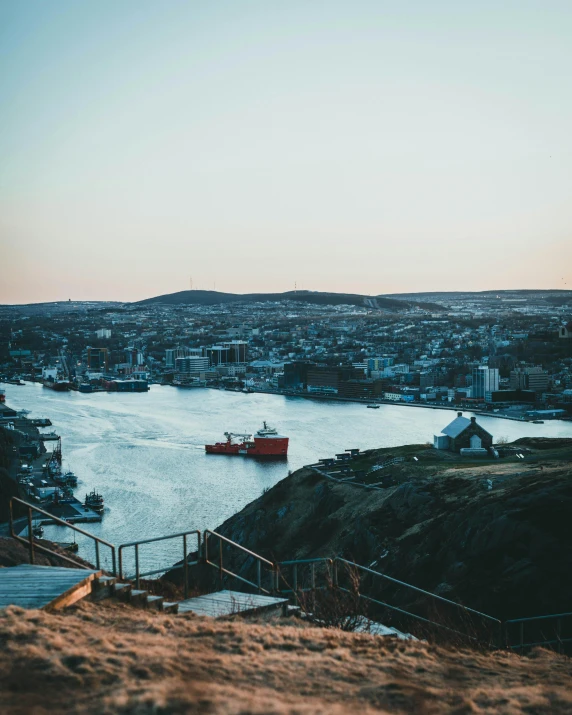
[211, 297]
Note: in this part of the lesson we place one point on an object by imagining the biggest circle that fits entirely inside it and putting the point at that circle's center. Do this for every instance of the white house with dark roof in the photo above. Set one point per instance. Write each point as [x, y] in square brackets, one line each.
[465, 436]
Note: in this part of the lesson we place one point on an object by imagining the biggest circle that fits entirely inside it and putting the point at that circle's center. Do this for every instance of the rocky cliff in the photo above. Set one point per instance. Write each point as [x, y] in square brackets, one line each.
[493, 535]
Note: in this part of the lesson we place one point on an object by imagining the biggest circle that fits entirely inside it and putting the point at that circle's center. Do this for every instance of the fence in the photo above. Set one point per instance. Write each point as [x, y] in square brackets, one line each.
[185, 564]
[34, 546]
[252, 562]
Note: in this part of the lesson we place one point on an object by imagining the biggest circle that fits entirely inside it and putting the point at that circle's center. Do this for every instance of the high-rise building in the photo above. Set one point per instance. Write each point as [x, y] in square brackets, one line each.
[485, 381]
[97, 359]
[529, 378]
[236, 350]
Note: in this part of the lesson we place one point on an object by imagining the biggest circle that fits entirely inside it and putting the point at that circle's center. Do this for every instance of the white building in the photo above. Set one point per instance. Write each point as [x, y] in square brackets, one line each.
[485, 381]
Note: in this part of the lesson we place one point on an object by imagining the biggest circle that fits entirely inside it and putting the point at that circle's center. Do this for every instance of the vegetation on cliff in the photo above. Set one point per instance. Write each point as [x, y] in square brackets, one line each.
[493, 535]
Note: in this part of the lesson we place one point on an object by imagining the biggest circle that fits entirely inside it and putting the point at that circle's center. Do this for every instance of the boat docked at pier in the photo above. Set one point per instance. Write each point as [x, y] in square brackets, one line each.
[94, 501]
[265, 443]
[57, 385]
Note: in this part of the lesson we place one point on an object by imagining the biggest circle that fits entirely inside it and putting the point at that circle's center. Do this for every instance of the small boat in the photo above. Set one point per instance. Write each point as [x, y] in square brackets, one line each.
[537, 422]
[94, 501]
[70, 479]
[373, 407]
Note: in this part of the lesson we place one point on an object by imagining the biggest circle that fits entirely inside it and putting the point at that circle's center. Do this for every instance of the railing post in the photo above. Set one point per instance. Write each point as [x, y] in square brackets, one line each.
[30, 535]
[120, 561]
[11, 520]
[137, 565]
[113, 560]
[185, 567]
[258, 575]
[295, 583]
[97, 554]
[313, 587]
[220, 560]
[335, 573]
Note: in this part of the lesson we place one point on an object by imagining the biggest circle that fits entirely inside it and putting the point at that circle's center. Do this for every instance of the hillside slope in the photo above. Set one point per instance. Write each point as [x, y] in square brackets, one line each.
[211, 297]
[100, 658]
[492, 535]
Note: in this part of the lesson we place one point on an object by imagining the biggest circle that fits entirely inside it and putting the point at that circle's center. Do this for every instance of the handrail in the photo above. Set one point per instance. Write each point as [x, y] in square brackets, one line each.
[522, 644]
[184, 565]
[415, 588]
[539, 618]
[208, 533]
[259, 561]
[32, 545]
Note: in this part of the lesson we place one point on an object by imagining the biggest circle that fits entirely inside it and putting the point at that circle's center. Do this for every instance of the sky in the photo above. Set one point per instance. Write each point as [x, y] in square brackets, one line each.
[360, 146]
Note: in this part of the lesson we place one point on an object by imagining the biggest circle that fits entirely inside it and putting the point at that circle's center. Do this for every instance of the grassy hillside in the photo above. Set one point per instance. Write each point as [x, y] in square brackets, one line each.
[492, 534]
[100, 658]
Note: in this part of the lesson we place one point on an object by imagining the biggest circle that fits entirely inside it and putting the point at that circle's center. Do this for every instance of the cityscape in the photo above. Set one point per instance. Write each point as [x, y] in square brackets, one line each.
[507, 353]
[285, 357]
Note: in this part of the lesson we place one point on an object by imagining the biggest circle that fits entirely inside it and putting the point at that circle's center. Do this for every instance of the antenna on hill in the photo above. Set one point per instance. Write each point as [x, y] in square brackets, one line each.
[295, 287]
[191, 282]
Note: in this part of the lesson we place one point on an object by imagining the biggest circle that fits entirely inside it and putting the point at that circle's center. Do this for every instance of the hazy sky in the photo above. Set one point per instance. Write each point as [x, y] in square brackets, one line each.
[355, 146]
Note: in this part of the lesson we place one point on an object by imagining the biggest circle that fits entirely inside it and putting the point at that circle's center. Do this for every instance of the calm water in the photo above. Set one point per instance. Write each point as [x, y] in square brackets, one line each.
[145, 452]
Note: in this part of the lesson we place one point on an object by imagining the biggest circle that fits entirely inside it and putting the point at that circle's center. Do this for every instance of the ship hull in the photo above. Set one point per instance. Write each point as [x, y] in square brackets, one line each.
[57, 386]
[260, 447]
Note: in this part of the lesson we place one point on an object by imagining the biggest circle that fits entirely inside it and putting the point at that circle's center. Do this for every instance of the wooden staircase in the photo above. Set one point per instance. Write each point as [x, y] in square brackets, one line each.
[52, 588]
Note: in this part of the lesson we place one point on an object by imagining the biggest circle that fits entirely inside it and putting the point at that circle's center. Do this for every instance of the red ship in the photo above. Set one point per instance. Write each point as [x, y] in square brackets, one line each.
[265, 443]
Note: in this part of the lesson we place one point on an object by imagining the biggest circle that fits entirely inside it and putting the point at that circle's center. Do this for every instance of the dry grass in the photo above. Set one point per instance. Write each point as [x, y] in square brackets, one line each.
[109, 658]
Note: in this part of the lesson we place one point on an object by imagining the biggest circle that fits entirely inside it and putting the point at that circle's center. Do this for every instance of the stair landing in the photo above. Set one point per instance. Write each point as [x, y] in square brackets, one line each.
[229, 603]
[52, 587]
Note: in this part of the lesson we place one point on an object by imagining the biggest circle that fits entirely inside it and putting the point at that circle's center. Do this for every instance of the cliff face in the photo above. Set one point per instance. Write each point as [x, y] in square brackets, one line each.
[493, 536]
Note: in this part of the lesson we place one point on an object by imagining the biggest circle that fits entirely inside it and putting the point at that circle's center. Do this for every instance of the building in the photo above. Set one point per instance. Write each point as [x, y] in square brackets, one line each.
[192, 364]
[134, 357]
[485, 380]
[296, 375]
[464, 434]
[218, 355]
[103, 334]
[97, 359]
[529, 378]
[321, 378]
[236, 350]
[565, 331]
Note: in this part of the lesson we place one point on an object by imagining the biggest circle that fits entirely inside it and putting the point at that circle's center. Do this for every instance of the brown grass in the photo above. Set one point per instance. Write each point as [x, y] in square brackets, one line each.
[112, 658]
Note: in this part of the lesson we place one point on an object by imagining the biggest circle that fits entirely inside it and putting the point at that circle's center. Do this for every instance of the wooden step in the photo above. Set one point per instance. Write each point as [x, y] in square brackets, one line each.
[122, 590]
[170, 607]
[103, 588]
[138, 596]
[230, 603]
[155, 602]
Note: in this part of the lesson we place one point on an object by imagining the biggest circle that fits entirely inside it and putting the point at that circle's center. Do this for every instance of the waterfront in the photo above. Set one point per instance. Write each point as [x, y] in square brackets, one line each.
[145, 452]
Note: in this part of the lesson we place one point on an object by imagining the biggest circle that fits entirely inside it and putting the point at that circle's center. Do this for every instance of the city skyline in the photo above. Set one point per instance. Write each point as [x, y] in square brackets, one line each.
[255, 147]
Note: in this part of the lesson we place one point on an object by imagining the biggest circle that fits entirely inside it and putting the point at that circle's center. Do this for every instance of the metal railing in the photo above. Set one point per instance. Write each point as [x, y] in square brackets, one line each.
[477, 626]
[33, 545]
[295, 584]
[260, 561]
[541, 631]
[184, 565]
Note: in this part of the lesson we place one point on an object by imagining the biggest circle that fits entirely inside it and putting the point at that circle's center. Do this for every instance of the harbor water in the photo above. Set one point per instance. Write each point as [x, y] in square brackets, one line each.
[145, 452]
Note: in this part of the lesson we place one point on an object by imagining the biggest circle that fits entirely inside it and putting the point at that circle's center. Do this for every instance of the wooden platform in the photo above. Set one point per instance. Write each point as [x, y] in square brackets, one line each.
[229, 603]
[49, 587]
